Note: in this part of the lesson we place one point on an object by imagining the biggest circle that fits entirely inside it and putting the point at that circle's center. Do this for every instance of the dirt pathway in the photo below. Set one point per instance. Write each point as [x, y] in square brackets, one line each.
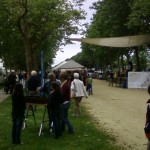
[121, 112]
[3, 96]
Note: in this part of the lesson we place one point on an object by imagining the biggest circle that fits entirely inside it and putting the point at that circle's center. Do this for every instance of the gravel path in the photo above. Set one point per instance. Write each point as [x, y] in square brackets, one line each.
[3, 96]
[121, 112]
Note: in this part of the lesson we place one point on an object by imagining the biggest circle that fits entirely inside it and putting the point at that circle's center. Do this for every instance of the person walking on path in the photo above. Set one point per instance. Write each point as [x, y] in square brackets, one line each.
[89, 88]
[78, 88]
[111, 78]
[18, 111]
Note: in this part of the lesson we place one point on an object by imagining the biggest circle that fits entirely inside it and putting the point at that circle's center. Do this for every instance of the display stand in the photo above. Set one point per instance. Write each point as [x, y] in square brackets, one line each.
[29, 112]
[31, 102]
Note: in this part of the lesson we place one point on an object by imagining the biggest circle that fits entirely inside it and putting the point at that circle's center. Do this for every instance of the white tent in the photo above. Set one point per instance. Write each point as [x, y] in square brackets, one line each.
[69, 65]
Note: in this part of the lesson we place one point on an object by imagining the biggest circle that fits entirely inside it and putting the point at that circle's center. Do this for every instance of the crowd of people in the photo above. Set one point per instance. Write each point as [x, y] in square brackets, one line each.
[58, 91]
[119, 77]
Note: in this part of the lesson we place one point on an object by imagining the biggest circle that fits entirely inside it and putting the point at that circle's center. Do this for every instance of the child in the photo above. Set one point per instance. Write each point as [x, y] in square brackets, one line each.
[18, 111]
[147, 124]
[89, 88]
[54, 102]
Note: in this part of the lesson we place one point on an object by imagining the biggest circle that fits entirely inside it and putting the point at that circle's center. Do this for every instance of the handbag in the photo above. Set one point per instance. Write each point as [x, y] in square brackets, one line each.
[73, 92]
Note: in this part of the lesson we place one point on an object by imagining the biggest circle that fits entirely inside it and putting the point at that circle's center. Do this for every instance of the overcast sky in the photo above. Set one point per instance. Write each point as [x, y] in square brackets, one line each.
[73, 49]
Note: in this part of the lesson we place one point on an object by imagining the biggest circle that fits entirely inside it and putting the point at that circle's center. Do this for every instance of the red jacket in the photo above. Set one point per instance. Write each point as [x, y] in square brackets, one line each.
[65, 91]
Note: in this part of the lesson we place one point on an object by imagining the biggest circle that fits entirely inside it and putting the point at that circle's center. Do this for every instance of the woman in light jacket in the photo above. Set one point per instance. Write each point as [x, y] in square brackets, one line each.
[78, 88]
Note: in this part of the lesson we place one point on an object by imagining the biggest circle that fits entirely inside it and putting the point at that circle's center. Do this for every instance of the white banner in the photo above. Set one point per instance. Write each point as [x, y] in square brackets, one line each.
[138, 80]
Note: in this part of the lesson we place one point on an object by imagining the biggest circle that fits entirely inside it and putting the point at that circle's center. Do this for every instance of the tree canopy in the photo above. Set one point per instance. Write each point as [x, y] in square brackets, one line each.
[29, 26]
[115, 19]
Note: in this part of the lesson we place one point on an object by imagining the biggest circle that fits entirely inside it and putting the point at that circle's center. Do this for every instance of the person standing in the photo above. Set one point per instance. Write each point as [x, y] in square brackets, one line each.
[33, 83]
[65, 106]
[111, 80]
[78, 88]
[54, 102]
[11, 81]
[129, 67]
[46, 88]
[18, 111]
[147, 124]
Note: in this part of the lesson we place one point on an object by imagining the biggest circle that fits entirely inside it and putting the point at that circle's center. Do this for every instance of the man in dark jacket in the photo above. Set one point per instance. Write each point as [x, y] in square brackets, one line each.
[33, 83]
[11, 81]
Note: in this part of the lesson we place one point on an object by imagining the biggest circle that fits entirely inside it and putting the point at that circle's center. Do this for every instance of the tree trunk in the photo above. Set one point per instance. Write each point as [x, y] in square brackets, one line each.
[29, 58]
[138, 67]
[28, 47]
[36, 58]
[122, 62]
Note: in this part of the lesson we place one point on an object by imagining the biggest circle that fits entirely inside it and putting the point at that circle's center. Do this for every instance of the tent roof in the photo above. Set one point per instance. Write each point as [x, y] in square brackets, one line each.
[69, 65]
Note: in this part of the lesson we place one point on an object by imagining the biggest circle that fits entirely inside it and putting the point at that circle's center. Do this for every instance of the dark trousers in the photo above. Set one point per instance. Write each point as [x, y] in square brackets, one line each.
[89, 89]
[49, 116]
[11, 87]
[55, 116]
[64, 117]
[16, 128]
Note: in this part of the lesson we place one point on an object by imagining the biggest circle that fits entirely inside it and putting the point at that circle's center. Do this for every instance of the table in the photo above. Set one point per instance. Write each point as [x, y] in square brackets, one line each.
[32, 101]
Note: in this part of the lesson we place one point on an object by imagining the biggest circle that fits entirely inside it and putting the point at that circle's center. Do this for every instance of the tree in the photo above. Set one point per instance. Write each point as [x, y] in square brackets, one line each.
[118, 18]
[108, 21]
[11, 45]
[139, 19]
[41, 23]
[139, 23]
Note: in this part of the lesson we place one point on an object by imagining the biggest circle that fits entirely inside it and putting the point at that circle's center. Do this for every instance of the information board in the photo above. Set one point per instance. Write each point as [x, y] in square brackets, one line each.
[138, 79]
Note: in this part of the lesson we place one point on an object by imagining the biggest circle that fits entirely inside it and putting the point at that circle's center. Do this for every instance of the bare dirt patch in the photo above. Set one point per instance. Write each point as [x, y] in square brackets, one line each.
[121, 112]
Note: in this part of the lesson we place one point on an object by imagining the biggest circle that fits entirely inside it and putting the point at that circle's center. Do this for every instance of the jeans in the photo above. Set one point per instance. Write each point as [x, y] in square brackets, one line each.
[89, 89]
[148, 145]
[16, 128]
[64, 117]
[55, 115]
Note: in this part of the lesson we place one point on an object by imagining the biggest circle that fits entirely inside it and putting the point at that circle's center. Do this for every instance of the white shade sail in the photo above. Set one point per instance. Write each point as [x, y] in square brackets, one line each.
[127, 41]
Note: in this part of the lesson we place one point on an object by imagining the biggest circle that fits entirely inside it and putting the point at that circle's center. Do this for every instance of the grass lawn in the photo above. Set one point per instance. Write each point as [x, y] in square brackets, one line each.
[86, 137]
